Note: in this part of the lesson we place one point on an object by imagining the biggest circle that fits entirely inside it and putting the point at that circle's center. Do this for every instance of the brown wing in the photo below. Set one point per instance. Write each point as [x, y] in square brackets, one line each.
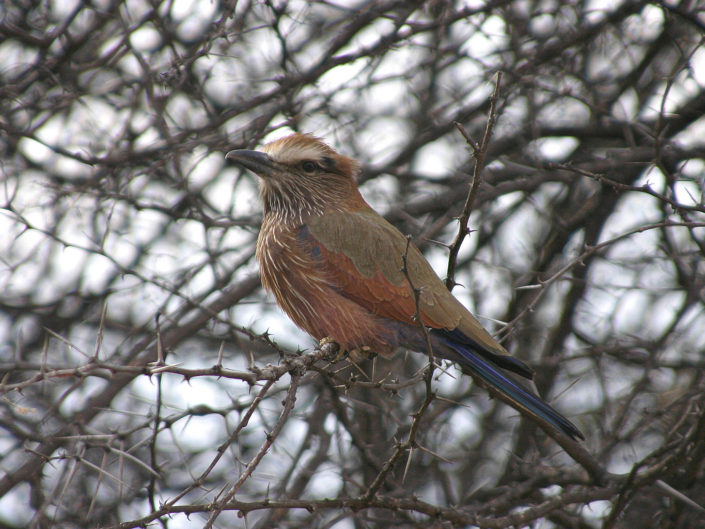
[363, 256]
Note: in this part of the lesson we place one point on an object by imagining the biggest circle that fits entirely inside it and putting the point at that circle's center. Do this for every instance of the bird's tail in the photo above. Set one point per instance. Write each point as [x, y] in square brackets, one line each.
[508, 390]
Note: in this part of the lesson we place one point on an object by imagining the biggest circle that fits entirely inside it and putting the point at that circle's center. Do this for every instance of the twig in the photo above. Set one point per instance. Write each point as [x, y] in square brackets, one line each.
[108, 370]
[619, 186]
[428, 379]
[478, 153]
[455, 515]
[326, 351]
[152, 485]
[542, 287]
[416, 292]
[220, 505]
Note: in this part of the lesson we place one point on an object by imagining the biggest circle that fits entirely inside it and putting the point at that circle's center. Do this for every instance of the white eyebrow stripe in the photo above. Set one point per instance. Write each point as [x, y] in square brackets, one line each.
[294, 153]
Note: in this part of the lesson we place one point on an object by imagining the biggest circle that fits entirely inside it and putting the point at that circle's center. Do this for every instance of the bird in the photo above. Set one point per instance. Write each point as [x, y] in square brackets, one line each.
[342, 272]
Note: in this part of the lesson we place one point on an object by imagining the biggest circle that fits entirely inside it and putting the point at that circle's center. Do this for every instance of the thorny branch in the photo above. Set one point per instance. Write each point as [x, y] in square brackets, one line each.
[478, 154]
[219, 503]
[410, 442]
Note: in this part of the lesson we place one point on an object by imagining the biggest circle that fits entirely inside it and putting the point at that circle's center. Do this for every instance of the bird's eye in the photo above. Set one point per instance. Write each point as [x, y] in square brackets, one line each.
[309, 166]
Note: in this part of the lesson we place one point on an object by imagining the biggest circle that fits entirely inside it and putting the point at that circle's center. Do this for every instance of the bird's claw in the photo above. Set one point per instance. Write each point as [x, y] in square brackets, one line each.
[355, 355]
[362, 353]
[339, 355]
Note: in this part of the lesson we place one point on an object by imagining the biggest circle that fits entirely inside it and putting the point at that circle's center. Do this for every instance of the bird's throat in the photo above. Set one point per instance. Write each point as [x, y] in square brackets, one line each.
[291, 204]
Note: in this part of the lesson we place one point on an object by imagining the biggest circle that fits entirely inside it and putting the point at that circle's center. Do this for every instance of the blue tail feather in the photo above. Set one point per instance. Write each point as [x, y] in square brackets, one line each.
[480, 365]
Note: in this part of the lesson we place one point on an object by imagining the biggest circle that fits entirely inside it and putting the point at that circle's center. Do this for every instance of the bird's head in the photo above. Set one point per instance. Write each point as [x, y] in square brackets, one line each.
[300, 176]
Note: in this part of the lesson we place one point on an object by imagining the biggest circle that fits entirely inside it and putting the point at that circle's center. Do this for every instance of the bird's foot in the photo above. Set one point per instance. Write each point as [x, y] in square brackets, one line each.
[354, 355]
[362, 353]
[324, 341]
[340, 353]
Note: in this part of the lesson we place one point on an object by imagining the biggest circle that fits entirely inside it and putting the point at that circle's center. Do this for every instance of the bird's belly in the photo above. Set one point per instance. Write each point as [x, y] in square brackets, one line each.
[307, 296]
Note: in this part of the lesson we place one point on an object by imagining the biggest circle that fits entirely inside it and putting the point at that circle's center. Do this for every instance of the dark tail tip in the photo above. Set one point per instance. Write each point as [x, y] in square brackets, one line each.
[481, 366]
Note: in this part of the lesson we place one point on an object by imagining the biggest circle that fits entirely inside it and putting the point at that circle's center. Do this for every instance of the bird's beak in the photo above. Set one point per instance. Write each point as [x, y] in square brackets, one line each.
[257, 162]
